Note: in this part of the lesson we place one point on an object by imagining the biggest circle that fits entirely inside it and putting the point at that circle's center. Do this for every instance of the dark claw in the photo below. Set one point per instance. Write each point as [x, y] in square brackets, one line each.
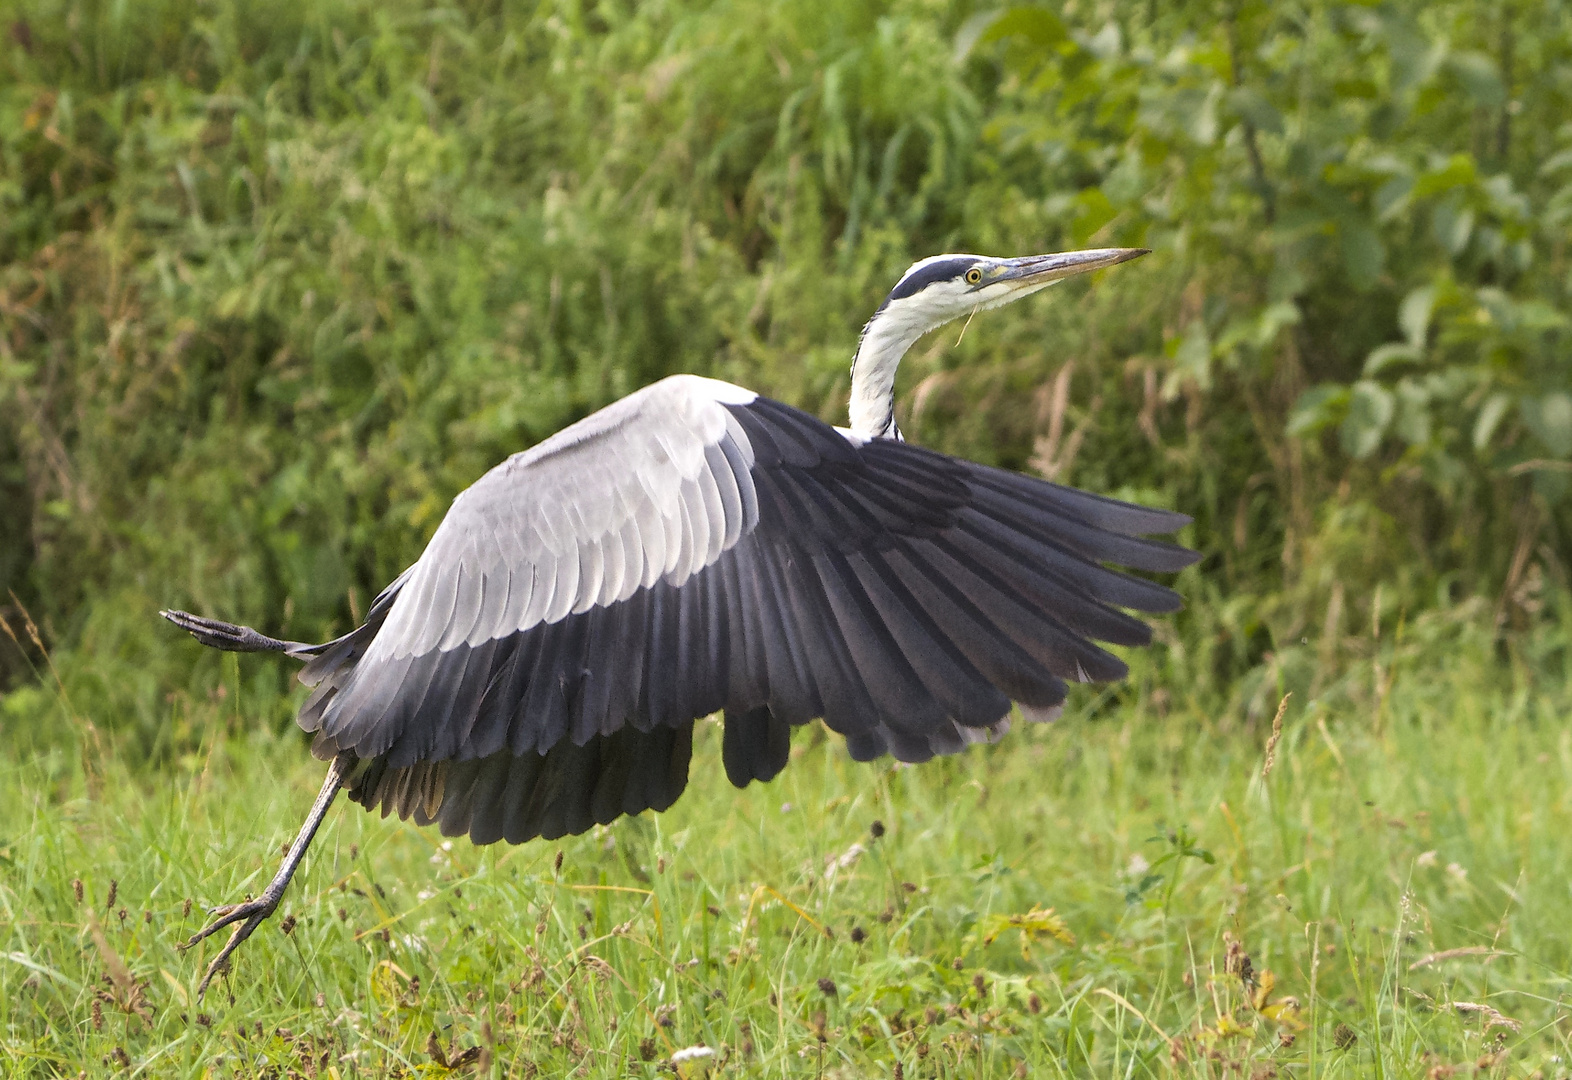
[253, 912]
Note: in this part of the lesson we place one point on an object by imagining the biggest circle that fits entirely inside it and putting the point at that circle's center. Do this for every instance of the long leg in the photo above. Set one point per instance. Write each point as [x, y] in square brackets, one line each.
[250, 914]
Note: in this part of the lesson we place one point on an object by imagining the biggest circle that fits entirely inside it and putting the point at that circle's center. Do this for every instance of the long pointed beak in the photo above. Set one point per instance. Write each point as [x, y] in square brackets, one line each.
[1040, 270]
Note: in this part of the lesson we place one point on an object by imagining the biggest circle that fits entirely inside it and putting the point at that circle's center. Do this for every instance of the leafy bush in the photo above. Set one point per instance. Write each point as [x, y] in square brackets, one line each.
[277, 281]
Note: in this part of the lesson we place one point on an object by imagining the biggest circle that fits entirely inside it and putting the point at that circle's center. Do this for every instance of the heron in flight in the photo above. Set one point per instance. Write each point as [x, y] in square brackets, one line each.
[696, 548]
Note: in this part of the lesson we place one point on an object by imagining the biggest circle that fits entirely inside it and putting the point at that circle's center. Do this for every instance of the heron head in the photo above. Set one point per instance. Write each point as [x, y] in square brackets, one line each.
[945, 287]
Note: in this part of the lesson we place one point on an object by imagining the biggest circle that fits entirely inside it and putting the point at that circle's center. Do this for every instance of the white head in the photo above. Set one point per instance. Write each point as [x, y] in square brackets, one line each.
[938, 290]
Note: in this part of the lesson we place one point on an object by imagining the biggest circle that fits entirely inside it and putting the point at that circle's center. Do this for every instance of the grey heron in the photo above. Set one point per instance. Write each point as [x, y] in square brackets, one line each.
[695, 548]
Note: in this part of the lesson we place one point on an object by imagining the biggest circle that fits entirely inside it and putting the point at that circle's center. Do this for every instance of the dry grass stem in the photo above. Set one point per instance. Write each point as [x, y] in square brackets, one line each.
[1277, 733]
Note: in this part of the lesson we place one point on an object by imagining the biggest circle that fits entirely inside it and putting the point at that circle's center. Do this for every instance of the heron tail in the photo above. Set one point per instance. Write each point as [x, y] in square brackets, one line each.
[232, 638]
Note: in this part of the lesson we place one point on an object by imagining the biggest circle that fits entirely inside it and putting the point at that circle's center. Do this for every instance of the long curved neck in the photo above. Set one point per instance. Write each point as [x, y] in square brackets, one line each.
[892, 330]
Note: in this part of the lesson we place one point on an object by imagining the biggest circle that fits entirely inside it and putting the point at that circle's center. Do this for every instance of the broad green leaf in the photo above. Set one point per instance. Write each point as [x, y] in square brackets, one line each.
[1273, 319]
[1390, 355]
[1251, 105]
[1317, 409]
[1193, 359]
[1413, 421]
[1480, 78]
[1550, 419]
[1370, 409]
[1457, 171]
[1490, 416]
[1392, 197]
[1414, 314]
[1093, 211]
[1556, 162]
[1452, 224]
[1364, 255]
[1037, 25]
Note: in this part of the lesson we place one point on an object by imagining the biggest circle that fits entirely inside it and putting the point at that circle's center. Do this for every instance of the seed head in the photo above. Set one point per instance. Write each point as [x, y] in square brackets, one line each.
[556, 867]
[1277, 733]
[858, 935]
[114, 889]
[76, 888]
[876, 830]
[827, 987]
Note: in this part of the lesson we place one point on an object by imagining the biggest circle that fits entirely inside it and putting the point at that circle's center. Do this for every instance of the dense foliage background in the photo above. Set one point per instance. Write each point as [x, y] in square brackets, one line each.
[277, 280]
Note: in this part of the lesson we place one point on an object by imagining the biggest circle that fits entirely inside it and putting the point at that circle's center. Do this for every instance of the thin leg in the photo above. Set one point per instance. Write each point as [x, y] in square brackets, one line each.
[250, 914]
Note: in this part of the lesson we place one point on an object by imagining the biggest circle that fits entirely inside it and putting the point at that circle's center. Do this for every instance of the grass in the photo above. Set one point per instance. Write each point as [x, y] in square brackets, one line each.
[1122, 894]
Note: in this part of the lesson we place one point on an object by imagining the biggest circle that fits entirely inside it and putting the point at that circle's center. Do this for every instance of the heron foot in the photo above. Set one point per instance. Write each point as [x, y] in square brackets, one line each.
[246, 917]
[226, 636]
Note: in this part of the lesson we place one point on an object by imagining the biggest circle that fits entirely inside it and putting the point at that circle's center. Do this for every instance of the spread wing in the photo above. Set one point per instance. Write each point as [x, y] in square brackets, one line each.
[695, 549]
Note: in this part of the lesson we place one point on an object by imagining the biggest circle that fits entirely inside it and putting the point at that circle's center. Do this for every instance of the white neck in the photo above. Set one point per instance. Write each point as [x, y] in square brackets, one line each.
[884, 341]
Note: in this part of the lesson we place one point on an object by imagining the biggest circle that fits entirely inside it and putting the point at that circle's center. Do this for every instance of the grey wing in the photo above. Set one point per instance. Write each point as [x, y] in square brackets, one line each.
[647, 490]
[694, 549]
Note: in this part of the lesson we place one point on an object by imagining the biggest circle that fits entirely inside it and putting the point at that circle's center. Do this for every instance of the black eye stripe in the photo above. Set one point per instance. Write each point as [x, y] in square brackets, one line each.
[943, 270]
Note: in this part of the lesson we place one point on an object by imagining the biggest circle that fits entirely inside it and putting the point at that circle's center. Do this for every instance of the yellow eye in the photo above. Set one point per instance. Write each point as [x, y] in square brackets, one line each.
[973, 276]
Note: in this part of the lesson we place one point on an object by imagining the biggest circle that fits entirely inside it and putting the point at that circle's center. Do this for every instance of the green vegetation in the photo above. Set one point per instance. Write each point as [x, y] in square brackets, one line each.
[278, 280]
[1400, 874]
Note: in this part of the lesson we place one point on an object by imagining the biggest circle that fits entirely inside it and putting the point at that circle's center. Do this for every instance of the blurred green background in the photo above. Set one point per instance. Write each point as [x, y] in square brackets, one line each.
[278, 280]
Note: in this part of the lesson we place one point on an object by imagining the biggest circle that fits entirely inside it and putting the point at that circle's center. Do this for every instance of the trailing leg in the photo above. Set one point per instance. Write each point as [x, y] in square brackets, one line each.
[250, 914]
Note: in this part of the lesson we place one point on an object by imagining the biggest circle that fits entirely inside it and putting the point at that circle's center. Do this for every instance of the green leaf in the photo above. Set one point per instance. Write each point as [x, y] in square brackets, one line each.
[1093, 211]
[1037, 25]
[1250, 105]
[1414, 314]
[1550, 419]
[1489, 419]
[1479, 77]
[1370, 409]
[1413, 422]
[1364, 256]
[1452, 224]
[1390, 355]
[1392, 196]
[1193, 359]
[1458, 171]
[1556, 162]
[1317, 409]
[1273, 319]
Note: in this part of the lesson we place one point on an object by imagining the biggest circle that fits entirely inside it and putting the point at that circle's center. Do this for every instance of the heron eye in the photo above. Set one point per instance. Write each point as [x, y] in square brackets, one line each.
[973, 276]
